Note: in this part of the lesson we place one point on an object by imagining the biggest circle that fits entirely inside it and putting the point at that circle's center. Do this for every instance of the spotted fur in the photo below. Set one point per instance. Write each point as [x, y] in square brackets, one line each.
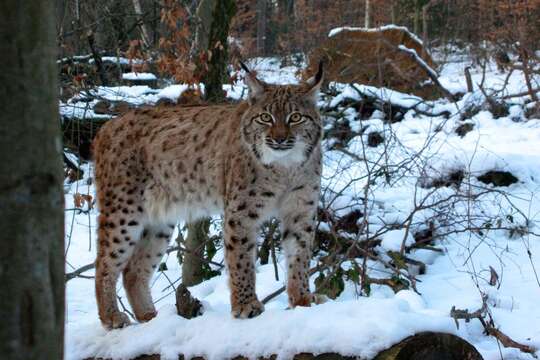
[248, 162]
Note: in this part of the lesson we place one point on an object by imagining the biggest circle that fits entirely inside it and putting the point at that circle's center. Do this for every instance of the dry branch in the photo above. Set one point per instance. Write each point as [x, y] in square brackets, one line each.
[489, 327]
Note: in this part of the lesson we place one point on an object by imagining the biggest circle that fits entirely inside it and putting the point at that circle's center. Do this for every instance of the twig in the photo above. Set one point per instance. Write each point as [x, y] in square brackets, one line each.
[489, 328]
[274, 258]
[468, 79]
[282, 289]
[124, 307]
[79, 271]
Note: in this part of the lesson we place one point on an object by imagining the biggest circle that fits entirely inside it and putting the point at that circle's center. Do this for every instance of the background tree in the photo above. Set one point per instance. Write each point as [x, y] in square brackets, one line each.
[212, 32]
[31, 196]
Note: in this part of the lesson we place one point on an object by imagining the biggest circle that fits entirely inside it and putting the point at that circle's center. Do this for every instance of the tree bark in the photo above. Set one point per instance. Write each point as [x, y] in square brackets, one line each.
[416, 24]
[192, 265]
[212, 32]
[367, 15]
[31, 196]
[261, 27]
[204, 23]
[142, 26]
[214, 78]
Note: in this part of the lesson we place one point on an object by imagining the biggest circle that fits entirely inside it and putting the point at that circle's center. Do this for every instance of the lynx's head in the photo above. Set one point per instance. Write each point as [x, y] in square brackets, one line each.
[282, 124]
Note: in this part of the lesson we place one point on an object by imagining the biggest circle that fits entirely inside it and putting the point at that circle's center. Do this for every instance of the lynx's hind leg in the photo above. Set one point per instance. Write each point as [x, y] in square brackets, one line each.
[142, 265]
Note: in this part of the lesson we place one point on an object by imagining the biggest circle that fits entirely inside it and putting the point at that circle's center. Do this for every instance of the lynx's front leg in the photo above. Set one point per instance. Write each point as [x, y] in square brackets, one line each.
[298, 224]
[240, 248]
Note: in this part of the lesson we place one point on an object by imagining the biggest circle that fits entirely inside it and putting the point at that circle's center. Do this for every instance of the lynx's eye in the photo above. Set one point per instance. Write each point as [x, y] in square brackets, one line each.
[295, 118]
[265, 118]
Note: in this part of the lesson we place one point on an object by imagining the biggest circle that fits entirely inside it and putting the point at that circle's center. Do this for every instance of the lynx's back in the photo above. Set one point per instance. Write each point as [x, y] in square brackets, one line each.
[164, 156]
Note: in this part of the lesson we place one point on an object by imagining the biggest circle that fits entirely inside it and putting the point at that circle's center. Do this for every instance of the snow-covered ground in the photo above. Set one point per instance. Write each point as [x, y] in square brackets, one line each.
[353, 324]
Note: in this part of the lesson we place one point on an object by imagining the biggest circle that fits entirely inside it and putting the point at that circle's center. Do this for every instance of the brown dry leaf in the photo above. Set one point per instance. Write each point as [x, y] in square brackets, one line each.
[81, 199]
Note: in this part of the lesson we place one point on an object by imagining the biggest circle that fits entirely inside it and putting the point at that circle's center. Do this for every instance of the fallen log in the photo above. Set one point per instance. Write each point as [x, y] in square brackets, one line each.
[422, 346]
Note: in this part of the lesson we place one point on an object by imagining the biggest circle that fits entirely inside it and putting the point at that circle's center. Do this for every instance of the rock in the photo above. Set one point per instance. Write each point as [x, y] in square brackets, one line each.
[348, 223]
[342, 133]
[120, 107]
[533, 112]
[102, 107]
[498, 109]
[165, 102]
[452, 178]
[464, 128]
[107, 107]
[372, 57]
[498, 178]
[374, 139]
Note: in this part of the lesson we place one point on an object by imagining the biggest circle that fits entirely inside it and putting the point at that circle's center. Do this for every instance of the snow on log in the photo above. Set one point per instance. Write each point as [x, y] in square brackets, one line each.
[422, 346]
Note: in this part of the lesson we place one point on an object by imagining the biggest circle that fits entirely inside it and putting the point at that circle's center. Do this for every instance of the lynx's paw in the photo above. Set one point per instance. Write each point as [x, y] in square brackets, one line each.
[318, 299]
[146, 316]
[300, 300]
[116, 320]
[249, 310]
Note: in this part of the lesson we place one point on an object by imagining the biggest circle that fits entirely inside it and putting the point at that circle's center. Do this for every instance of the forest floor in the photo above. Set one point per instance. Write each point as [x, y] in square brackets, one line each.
[488, 234]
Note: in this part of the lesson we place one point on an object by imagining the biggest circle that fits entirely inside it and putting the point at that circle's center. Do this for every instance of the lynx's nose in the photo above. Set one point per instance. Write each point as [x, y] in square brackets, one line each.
[280, 139]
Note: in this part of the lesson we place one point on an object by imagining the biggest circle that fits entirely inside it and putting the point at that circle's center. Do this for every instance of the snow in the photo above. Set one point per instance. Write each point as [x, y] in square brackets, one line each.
[138, 76]
[216, 335]
[392, 240]
[81, 106]
[120, 60]
[452, 77]
[353, 324]
[336, 31]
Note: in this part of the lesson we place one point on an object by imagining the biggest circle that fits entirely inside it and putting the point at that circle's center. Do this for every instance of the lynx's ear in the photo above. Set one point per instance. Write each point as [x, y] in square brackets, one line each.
[313, 84]
[255, 86]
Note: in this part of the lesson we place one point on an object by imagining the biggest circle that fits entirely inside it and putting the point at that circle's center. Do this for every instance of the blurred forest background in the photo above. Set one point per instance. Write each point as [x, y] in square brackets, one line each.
[165, 30]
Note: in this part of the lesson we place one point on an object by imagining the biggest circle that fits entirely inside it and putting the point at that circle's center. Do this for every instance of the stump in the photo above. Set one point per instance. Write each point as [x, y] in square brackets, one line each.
[186, 305]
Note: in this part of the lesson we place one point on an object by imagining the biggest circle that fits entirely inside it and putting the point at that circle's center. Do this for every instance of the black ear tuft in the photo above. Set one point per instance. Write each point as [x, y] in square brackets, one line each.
[244, 67]
[255, 86]
[320, 72]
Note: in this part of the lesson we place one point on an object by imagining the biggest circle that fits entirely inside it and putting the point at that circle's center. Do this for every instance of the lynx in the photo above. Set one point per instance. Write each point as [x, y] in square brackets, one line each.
[249, 162]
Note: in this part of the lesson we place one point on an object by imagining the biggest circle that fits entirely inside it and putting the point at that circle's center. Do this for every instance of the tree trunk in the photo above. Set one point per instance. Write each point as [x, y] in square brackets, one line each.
[261, 27]
[222, 15]
[144, 32]
[204, 23]
[212, 32]
[192, 265]
[31, 196]
[367, 15]
[416, 25]
[425, 9]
